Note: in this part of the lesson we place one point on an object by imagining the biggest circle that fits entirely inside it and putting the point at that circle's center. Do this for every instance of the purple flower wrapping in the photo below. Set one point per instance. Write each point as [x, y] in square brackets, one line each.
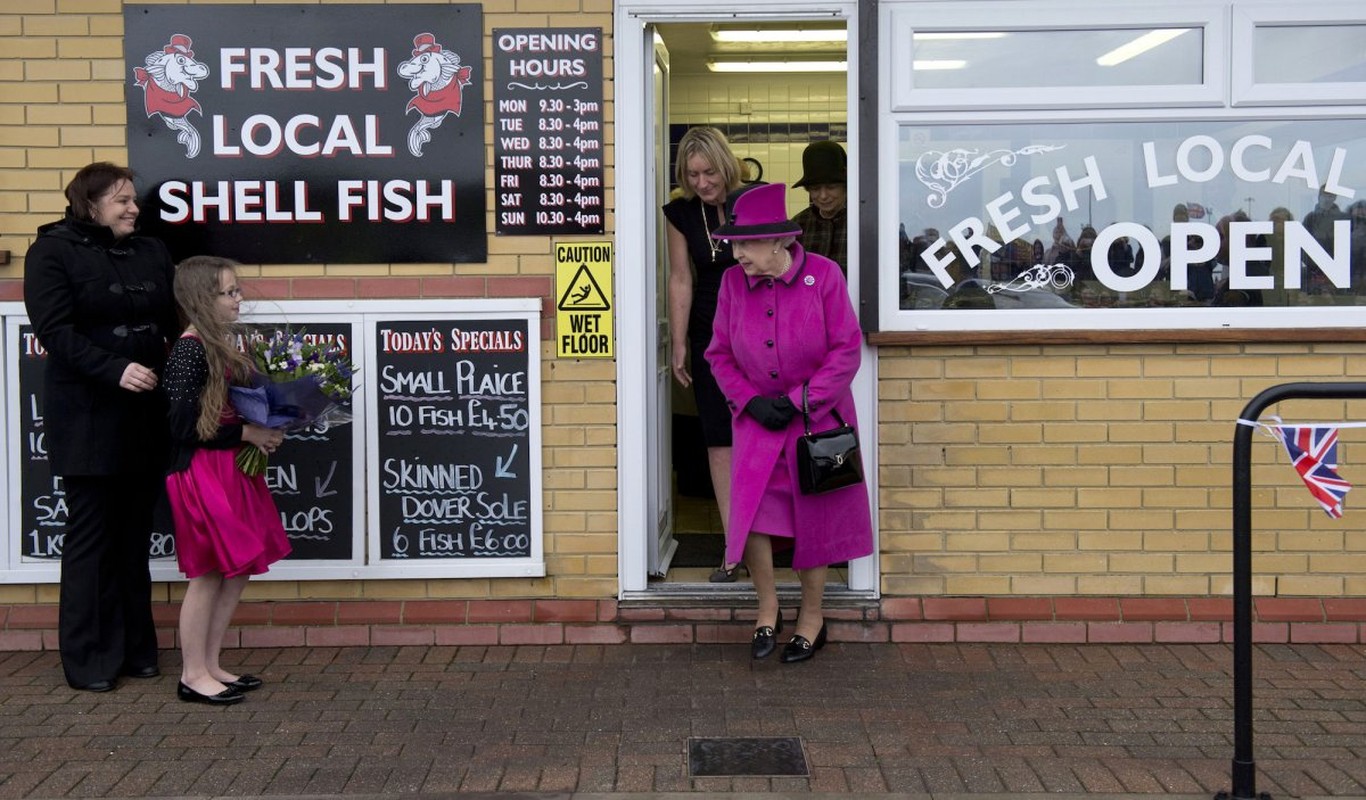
[284, 405]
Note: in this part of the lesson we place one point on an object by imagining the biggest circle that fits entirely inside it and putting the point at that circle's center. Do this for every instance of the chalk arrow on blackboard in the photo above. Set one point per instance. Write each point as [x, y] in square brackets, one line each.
[320, 484]
[501, 467]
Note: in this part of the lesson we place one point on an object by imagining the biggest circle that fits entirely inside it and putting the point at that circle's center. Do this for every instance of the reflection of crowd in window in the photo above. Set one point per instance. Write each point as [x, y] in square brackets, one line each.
[1319, 223]
[1208, 282]
[1357, 213]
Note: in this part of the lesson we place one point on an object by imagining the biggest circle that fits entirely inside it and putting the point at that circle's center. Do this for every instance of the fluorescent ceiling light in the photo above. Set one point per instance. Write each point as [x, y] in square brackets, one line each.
[754, 35]
[960, 36]
[1139, 46]
[778, 66]
[925, 64]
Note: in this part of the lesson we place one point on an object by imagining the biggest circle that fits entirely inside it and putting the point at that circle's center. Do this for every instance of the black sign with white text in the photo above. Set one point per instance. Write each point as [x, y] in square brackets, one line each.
[548, 131]
[304, 133]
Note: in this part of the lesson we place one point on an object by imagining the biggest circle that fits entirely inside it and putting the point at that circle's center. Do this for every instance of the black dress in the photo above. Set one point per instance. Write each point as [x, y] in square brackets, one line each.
[97, 304]
[708, 265]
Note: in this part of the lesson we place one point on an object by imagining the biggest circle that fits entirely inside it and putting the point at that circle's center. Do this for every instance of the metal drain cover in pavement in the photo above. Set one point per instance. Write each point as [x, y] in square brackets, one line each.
[773, 756]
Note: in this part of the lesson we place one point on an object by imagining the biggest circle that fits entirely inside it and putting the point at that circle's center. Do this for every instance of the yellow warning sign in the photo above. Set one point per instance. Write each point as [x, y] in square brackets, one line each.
[583, 305]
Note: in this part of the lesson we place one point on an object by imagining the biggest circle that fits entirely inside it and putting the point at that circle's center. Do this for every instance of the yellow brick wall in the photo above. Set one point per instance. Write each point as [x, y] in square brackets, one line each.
[1104, 470]
[1062, 470]
[62, 107]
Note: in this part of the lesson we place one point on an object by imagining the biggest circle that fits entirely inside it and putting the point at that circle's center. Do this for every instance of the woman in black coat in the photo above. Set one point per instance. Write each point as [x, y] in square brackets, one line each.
[99, 298]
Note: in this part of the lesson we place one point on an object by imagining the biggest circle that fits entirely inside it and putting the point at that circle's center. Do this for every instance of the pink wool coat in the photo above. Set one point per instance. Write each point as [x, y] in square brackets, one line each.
[771, 336]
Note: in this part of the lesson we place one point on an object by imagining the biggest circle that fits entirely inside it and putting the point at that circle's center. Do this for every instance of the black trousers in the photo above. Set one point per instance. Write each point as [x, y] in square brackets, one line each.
[104, 622]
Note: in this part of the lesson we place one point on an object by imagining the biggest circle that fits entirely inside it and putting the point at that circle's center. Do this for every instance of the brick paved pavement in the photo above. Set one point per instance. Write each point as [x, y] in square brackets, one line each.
[941, 721]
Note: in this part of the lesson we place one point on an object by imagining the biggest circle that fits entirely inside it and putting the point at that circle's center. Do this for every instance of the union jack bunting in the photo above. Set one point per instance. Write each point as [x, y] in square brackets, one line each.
[1313, 452]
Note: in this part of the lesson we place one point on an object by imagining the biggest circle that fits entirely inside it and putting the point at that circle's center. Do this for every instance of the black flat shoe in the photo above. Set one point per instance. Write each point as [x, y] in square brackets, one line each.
[245, 683]
[94, 686]
[224, 698]
[765, 639]
[799, 649]
[149, 671]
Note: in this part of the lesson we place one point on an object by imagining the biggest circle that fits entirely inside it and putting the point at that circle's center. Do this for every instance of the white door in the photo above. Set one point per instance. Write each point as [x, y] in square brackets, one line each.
[643, 418]
[660, 458]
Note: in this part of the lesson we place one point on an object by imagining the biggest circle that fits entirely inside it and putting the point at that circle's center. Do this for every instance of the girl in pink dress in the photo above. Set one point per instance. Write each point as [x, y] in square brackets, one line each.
[227, 527]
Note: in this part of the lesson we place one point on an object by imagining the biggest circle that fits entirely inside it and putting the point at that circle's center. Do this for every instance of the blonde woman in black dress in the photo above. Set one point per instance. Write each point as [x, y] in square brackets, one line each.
[707, 172]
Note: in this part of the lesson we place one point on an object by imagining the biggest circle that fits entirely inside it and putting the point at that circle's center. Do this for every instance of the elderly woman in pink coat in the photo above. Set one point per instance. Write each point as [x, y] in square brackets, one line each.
[783, 321]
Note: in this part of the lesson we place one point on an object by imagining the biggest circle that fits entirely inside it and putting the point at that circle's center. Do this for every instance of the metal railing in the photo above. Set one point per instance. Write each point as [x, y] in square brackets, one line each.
[1244, 767]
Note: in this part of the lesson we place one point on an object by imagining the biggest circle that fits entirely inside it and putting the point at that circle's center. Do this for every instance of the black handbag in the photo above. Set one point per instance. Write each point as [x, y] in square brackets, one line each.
[830, 459]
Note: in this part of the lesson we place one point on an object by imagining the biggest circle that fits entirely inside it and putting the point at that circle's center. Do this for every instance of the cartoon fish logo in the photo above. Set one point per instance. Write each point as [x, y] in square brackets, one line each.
[439, 79]
[168, 78]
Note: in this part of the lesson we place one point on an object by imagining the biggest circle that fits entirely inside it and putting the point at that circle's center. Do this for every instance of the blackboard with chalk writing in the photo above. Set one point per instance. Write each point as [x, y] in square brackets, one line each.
[436, 475]
[455, 452]
[42, 505]
[41, 510]
[311, 476]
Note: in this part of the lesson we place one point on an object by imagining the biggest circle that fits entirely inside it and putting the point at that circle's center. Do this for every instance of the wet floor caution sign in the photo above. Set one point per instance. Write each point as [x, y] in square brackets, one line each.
[583, 305]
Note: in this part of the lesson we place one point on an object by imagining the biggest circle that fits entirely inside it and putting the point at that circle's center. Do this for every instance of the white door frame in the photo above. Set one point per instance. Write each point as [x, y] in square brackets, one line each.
[636, 219]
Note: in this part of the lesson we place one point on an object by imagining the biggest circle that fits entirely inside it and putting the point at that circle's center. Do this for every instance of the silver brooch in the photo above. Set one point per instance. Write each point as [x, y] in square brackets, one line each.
[810, 280]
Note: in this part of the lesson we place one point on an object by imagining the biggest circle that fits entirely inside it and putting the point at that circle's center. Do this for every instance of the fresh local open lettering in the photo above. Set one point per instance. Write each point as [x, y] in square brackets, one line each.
[1249, 159]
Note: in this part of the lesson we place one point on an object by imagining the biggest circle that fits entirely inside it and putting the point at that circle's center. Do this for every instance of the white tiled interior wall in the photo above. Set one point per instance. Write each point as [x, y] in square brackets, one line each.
[760, 99]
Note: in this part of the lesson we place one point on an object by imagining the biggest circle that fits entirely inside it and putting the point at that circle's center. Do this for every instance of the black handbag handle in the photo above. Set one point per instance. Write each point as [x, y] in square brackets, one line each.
[806, 412]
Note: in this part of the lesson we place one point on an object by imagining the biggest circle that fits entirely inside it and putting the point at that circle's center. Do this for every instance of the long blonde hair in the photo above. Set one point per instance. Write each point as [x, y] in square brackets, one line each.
[196, 294]
[711, 144]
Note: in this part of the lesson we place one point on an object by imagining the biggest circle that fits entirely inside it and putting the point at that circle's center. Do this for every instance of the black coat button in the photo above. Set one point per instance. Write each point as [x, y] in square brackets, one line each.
[770, 312]
[773, 373]
[769, 343]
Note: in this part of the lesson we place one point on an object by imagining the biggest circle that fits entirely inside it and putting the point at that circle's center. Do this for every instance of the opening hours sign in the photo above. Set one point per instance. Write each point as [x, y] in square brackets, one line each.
[583, 306]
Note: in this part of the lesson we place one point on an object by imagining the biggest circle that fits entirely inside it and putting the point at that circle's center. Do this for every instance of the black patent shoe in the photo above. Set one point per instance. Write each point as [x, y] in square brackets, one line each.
[724, 574]
[94, 686]
[224, 698]
[765, 639]
[245, 683]
[800, 649]
[149, 671]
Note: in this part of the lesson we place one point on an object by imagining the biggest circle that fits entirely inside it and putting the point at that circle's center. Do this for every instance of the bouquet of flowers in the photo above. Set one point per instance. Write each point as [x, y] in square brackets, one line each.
[299, 383]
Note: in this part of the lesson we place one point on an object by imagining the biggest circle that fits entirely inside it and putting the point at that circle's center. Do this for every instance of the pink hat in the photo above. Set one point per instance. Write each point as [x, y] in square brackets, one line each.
[758, 212]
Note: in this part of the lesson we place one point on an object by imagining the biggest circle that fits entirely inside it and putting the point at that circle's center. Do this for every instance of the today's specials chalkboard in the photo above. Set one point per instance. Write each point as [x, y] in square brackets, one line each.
[453, 438]
[310, 476]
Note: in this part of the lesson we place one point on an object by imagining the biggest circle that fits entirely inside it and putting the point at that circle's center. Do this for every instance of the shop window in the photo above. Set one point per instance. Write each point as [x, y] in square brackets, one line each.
[1309, 54]
[1092, 57]
[1128, 224]
[1104, 167]
[1292, 54]
[1004, 55]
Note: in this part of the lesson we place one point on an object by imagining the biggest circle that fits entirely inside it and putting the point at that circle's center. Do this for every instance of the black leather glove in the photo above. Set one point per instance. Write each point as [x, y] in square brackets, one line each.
[772, 412]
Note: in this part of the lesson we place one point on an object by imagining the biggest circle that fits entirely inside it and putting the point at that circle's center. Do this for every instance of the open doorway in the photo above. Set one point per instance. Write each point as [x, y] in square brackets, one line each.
[789, 89]
[649, 101]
